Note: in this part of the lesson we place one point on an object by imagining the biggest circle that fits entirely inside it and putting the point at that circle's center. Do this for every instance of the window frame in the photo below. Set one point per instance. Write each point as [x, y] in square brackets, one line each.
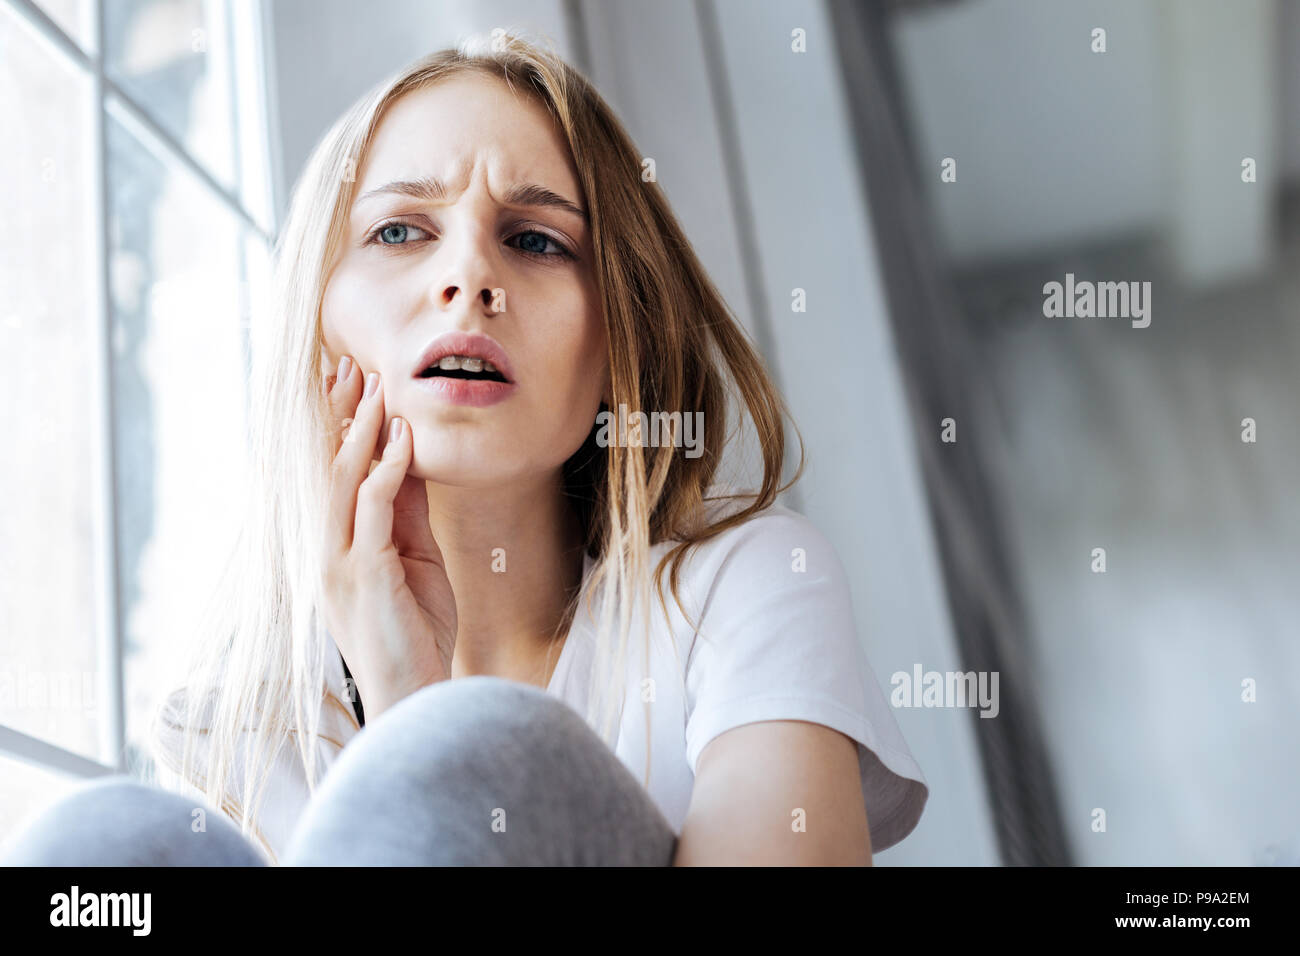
[249, 24]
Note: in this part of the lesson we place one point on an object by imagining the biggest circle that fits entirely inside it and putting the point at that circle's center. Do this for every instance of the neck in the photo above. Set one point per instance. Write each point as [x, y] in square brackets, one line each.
[514, 558]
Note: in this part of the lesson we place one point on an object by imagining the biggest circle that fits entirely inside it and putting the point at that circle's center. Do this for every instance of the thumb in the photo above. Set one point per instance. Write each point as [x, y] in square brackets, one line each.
[412, 535]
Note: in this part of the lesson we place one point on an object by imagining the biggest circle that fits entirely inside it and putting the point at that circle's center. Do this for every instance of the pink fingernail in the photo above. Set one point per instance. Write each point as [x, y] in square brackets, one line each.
[345, 368]
[372, 383]
[395, 430]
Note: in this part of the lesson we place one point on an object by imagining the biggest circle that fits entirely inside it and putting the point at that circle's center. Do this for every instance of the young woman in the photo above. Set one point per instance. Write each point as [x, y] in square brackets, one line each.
[511, 629]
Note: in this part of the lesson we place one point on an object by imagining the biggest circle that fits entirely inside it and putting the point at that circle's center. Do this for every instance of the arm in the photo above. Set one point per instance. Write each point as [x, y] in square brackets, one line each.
[751, 779]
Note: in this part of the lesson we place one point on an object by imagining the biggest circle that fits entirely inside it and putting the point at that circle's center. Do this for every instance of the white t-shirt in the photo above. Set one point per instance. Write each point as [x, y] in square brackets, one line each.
[775, 643]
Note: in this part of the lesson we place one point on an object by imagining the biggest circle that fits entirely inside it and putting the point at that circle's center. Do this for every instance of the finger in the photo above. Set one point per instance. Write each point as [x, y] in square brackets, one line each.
[412, 535]
[374, 521]
[352, 463]
[343, 395]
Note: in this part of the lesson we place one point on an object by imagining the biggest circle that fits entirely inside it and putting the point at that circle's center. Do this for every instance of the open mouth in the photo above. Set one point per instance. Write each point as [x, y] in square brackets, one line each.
[473, 369]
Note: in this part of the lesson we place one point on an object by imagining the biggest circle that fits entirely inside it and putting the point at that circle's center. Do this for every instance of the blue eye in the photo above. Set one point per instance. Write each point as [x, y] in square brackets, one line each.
[538, 243]
[530, 242]
[393, 234]
[396, 234]
[534, 243]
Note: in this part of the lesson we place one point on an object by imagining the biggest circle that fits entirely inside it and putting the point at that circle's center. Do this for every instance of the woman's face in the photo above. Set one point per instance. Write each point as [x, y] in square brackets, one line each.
[450, 233]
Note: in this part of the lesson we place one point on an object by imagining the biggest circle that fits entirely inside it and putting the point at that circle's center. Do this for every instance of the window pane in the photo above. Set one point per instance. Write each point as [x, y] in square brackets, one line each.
[175, 59]
[49, 566]
[76, 18]
[26, 790]
[251, 112]
[176, 264]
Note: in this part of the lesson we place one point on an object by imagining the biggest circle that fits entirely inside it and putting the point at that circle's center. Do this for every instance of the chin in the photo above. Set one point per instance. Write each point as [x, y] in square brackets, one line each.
[458, 467]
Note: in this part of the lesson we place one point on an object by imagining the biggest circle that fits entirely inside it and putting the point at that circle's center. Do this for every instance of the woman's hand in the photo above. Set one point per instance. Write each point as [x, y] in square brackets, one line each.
[388, 603]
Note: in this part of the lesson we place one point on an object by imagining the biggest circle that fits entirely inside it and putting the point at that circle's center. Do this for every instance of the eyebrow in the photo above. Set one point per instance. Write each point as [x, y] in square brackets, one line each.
[431, 189]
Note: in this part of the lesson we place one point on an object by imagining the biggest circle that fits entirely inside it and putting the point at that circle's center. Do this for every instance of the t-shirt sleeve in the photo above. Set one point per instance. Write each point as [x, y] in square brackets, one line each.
[777, 641]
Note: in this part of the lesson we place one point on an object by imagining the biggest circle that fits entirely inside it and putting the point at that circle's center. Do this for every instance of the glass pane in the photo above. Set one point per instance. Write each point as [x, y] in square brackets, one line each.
[176, 261]
[256, 302]
[250, 98]
[76, 18]
[49, 394]
[26, 790]
[175, 59]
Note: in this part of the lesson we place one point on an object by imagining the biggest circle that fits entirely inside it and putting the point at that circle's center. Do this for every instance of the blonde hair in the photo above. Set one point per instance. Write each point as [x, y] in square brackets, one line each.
[259, 666]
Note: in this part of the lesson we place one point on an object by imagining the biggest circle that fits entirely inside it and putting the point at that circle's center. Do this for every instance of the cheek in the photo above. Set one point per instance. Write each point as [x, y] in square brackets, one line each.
[573, 370]
[352, 311]
[580, 364]
[336, 311]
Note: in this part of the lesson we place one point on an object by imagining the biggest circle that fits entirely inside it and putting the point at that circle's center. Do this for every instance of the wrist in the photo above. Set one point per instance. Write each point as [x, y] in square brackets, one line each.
[385, 696]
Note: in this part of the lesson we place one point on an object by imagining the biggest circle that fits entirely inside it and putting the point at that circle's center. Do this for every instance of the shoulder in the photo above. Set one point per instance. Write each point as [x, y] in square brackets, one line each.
[775, 554]
[776, 639]
[775, 540]
[760, 596]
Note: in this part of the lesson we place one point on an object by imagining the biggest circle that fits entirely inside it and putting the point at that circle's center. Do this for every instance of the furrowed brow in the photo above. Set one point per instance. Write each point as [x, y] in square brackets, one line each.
[428, 188]
[431, 189]
[530, 194]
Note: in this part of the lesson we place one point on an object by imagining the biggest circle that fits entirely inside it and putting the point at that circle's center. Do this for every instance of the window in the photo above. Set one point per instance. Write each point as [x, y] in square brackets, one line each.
[135, 255]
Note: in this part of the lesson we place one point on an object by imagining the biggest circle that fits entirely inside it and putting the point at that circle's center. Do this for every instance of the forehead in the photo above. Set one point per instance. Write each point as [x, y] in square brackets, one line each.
[453, 126]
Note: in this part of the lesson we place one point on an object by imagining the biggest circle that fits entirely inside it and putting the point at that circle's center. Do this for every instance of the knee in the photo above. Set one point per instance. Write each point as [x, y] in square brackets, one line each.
[83, 817]
[118, 821]
[461, 724]
[474, 712]
[480, 698]
[432, 781]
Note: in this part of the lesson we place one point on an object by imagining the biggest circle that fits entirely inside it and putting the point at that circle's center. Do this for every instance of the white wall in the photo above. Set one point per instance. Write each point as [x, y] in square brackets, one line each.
[1221, 112]
[1060, 146]
[1041, 127]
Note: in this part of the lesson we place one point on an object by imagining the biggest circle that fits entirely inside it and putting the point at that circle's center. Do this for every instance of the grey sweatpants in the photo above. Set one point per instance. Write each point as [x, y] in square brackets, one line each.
[478, 771]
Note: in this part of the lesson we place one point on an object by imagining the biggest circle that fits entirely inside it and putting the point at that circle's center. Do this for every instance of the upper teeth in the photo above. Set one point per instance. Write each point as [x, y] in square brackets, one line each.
[450, 363]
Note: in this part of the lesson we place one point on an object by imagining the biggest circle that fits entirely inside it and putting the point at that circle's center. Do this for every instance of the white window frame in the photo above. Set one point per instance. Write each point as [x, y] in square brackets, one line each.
[249, 22]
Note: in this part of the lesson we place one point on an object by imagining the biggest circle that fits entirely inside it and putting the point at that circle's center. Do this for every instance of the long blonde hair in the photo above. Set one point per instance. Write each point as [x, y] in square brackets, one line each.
[259, 662]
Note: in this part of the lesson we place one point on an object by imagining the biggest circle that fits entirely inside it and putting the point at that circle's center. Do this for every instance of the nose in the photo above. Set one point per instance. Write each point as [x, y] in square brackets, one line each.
[467, 260]
[446, 295]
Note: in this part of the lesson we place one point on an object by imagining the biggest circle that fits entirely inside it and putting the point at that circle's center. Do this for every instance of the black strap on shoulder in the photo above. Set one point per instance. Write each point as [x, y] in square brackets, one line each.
[356, 694]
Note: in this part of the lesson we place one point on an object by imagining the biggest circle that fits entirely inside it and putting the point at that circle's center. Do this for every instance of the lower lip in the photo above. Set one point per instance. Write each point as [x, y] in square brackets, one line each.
[466, 391]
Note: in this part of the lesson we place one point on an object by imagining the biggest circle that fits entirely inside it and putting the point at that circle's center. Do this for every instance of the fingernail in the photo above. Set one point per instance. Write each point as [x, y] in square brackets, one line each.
[372, 383]
[345, 368]
[395, 430]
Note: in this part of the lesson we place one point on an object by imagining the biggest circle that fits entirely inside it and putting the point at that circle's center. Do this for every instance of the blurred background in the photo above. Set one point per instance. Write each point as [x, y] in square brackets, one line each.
[881, 189]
